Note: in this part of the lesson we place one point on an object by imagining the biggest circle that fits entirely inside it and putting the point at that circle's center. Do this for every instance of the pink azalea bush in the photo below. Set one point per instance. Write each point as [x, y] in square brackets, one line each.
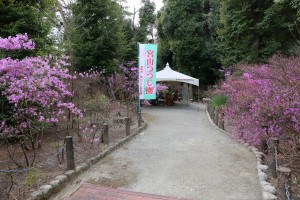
[161, 88]
[33, 89]
[126, 82]
[265, 101]
[125, 85]
[16, 43]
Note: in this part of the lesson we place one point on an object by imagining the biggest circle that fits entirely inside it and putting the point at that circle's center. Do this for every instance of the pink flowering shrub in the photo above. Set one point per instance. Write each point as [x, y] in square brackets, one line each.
[33, 90]
[126, 82]
[265, 101]
[16, 43]
[125, 85]
[161, 88]
[146, 103]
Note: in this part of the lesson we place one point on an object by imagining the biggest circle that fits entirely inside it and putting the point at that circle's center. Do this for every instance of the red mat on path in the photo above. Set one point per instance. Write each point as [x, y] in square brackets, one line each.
[92, 192]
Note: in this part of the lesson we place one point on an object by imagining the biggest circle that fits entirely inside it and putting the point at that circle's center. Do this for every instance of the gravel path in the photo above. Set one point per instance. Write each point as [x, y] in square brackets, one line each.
[180, 154]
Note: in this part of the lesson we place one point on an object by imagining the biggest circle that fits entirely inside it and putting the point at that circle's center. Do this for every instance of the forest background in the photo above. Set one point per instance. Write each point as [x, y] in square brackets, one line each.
[234, 46]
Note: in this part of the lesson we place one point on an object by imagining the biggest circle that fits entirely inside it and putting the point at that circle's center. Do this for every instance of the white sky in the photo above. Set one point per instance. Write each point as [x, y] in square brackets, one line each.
[137, 3]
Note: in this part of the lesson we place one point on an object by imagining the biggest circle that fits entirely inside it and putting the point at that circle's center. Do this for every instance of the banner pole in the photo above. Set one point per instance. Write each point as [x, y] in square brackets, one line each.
[139, 100]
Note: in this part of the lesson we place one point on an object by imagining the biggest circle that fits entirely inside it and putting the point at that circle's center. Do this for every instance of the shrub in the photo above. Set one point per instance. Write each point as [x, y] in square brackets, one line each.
[265, 101]
[219, 100]
[33, 93]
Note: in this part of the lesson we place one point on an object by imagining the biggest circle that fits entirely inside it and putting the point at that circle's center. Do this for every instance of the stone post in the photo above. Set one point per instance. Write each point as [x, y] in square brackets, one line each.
[127, 126]
[105, 136]
[221, 121]
[216, 116]
[263, 145]
[212, 116]
[70, 153]
[139, 119]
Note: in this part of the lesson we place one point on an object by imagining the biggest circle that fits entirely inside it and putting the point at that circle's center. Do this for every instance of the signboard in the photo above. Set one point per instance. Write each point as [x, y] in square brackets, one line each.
[147, 71]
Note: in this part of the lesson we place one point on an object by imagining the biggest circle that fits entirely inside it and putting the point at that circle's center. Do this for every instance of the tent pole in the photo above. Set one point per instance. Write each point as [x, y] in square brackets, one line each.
[198, 100]
[188, 95]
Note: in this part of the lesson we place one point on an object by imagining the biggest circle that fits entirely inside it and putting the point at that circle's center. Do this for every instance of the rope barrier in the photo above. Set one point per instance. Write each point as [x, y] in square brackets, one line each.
[15, 171]
[58, 152]
[27, 169]
[287, 193]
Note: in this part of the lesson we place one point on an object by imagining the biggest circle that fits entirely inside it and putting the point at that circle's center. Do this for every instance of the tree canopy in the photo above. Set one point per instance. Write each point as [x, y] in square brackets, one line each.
[146, 22]
[186, 31]
[29, 16]
[97, 37]
[196, 37]
[252, 31]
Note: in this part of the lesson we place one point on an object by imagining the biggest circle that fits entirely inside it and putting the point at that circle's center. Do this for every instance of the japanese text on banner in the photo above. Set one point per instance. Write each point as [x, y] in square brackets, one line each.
[147, 71]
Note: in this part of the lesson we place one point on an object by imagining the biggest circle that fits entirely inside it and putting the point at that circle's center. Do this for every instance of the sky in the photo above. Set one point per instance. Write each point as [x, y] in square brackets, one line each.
[136, 4]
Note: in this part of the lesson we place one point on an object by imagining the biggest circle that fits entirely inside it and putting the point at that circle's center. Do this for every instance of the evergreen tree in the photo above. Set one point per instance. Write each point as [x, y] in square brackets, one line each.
[146, 21]
[164, 52]
[188, 29]
[251, 31]
[28, 16]
[97, 37]
[130, 46]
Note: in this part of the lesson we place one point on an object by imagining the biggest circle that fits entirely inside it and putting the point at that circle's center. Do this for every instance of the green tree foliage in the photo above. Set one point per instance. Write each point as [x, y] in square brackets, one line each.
[97, 37]
[130, 46]
[294, 4]
[146, 21]
[164, 52]
[187, 31]
[253, 30]
[33, 17]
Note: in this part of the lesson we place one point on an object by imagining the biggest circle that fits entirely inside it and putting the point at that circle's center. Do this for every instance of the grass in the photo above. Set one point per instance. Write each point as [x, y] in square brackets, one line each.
[219, 100]
[32, 176]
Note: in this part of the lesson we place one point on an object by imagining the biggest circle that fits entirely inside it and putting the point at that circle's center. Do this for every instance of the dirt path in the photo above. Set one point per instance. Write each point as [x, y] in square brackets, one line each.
[180, 154]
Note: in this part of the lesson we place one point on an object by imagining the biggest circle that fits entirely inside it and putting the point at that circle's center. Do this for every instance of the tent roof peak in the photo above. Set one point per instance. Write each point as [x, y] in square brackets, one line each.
[167, 67]
[167, 74]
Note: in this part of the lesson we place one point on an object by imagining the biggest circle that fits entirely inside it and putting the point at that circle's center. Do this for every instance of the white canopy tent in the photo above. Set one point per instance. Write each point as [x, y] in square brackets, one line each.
[167, 74]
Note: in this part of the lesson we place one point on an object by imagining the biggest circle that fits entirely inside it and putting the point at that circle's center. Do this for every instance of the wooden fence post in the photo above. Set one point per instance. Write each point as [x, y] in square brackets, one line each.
[70, 153]
[212, 116]
[216, 116]
[221, 121]
[127, 126]
[284, 183]
[263, 145]
[209, 109]
[105, 136]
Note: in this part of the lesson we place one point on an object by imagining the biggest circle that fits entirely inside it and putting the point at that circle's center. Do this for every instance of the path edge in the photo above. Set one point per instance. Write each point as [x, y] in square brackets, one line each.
[57, 184]
[268, 191]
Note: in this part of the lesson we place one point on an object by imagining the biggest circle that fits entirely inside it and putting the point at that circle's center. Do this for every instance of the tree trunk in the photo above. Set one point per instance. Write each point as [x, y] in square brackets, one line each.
[110, 90]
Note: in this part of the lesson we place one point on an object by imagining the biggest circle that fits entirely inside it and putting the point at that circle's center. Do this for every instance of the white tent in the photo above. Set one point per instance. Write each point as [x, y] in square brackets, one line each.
[167, 74]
